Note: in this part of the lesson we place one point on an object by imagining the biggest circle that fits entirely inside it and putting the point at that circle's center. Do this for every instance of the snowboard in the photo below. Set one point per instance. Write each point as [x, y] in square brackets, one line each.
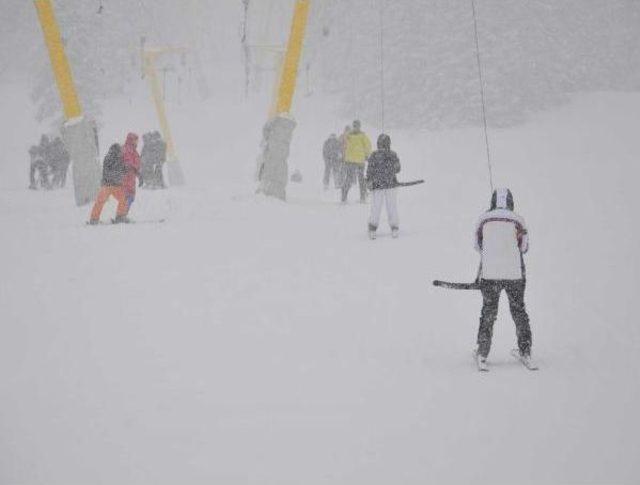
[409, 184]
[457, 286]
[112, 222]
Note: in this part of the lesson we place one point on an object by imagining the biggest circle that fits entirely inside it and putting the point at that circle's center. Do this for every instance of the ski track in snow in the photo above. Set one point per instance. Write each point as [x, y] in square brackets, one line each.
[250, 341]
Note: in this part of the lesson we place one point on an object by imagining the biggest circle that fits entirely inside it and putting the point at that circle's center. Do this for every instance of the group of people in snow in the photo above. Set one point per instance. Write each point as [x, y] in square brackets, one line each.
[344, 159]
[48, 164]
[501, 235]
[349, 158]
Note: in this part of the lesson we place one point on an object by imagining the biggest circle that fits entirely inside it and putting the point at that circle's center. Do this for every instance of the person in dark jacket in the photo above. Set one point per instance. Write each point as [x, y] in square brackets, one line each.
[113, 170]
[382, 169]
[59, 160]
[40, 164]
[37, 167]
[340, 172]
[146, 159]
[331, 153]
[159, 157]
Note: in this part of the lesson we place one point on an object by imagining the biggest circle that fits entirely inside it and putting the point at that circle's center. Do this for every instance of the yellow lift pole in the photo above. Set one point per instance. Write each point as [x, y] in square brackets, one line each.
[176, 176]
[79, 134]
[292, 56]
[59, 62]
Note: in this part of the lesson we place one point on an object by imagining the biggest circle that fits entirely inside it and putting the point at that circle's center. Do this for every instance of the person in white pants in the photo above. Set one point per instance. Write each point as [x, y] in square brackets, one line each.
[382, 169]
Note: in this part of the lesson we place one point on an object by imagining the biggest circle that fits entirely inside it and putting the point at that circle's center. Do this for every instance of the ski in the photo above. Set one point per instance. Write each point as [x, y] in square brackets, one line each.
[457, 286]
[142, 221]
[409, 184]
[524, 360]
[112, 222]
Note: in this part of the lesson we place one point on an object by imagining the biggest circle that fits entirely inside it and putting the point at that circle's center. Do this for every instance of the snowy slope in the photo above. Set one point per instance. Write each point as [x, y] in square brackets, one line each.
[250, 341]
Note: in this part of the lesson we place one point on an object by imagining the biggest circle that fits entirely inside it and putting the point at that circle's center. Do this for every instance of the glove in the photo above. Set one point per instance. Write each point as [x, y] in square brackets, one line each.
[140, 180]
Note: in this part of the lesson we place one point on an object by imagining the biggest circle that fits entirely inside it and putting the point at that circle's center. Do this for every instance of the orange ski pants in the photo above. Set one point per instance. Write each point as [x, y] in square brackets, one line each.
[103, 196]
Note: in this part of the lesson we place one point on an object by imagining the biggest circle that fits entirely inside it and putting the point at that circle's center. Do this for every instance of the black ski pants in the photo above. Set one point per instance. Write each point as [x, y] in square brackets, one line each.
[330, 167]
[491, 290]
[353, 171]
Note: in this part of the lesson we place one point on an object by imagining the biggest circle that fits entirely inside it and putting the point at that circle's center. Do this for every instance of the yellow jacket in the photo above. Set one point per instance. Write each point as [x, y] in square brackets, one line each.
[357, 149]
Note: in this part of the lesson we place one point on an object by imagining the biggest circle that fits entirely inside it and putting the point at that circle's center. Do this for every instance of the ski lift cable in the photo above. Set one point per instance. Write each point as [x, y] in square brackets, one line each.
[482, 94]
[382, 90]
[152, 17]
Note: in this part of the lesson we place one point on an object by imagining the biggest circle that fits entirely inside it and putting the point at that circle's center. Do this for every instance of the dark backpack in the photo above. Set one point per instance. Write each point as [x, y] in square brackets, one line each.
[113, 168]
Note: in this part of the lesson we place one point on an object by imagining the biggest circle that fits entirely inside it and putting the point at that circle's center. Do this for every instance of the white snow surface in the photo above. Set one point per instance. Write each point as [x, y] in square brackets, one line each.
[246, 340]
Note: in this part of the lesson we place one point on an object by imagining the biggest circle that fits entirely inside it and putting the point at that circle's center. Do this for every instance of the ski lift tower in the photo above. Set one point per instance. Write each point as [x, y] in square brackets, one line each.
[78, 132]
[149, 56]
[278, 131]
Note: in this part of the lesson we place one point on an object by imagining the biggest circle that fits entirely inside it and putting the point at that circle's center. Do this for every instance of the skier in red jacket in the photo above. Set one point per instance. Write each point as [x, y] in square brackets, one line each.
[132, 169]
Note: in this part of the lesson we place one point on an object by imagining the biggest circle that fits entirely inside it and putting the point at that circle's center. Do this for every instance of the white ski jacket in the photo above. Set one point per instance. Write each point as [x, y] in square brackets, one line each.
[501, 238]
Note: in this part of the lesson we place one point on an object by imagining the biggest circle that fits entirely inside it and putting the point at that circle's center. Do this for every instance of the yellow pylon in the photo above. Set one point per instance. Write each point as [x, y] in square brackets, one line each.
[293, 53]
[59, 62]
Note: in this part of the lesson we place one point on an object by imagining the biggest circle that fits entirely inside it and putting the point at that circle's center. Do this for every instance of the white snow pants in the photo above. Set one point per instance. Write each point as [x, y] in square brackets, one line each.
[390, 197]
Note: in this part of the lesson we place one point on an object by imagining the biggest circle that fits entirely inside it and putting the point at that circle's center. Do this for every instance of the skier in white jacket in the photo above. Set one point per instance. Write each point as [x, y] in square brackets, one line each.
[502, 238]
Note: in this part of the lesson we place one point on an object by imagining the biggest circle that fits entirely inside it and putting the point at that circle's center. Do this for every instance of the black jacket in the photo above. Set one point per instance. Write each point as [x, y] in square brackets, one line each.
[113, 168]
[332, 149]
[383, 165]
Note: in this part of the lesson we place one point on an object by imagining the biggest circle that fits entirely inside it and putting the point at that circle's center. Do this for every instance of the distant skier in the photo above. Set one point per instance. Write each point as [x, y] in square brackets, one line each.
[113, 171]
[357, 150]
[38, 170]
[159, 158]
[59, 160]
[40, 164]
[382, 169]
[132, 169]
[340, 173]
[331, 153]
[146, 159]
[501, 237]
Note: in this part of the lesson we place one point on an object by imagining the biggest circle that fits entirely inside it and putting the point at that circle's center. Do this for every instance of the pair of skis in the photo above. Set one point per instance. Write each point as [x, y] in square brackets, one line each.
[525, 360]
[481, 363]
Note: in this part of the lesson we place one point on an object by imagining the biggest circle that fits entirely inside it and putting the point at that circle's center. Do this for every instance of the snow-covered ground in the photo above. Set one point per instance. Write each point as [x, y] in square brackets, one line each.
[246, 340]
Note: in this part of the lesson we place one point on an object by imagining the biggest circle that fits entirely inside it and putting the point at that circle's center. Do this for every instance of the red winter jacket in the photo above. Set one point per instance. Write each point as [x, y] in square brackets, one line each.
[131, 163]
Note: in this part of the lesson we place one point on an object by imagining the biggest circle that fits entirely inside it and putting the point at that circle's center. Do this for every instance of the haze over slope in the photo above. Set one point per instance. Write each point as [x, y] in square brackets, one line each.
[246, 340]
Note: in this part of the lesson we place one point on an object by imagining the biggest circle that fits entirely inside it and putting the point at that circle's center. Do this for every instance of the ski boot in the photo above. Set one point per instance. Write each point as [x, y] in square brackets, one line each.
[372, 231]
[121, 220]
[525, 359]
[394, 232]
[481, 362]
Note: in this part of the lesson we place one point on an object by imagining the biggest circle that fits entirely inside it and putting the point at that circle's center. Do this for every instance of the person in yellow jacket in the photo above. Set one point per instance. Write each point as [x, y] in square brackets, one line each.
[356, 151]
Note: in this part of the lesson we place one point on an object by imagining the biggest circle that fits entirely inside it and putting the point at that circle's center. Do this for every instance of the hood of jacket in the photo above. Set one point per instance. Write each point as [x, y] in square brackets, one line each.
[132, 140]
[384, 142]
[502, 198]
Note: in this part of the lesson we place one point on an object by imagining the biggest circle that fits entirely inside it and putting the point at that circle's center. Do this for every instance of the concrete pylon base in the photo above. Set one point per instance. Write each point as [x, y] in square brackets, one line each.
[80, 140]
[274, 172]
